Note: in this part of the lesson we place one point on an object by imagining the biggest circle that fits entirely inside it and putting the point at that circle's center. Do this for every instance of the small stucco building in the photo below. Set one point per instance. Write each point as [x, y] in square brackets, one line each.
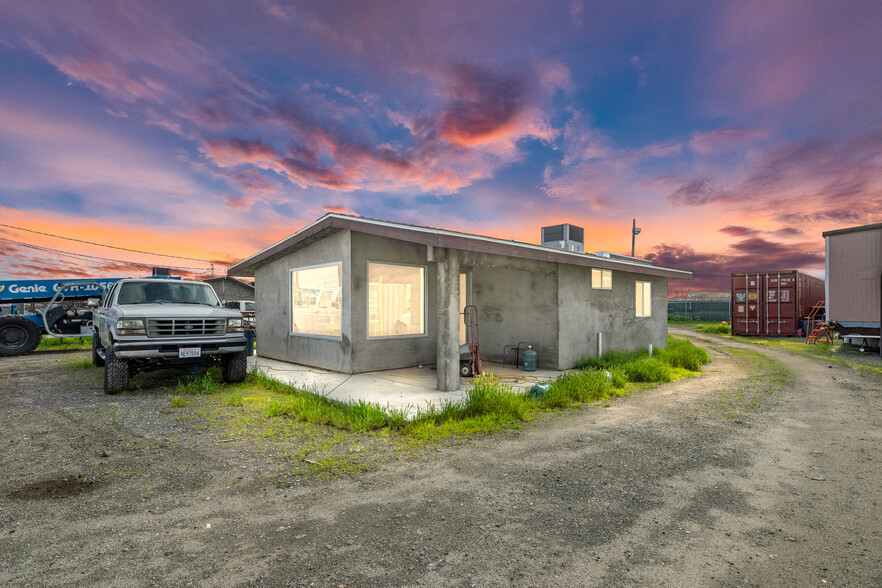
[353, 295]
[229, 288]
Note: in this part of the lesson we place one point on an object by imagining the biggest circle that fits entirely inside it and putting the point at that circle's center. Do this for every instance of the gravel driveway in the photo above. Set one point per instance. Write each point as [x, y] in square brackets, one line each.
[765, 471]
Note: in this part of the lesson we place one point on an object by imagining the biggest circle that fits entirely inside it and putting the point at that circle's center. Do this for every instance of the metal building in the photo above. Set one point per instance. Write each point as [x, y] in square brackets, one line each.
[854, 279]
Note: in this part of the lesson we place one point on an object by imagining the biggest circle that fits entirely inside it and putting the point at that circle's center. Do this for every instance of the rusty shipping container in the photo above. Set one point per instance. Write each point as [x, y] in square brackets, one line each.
[771, 304]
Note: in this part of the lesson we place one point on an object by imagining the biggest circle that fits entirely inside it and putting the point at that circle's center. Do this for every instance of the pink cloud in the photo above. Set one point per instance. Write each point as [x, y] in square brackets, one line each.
[717, 140]
[712, 270]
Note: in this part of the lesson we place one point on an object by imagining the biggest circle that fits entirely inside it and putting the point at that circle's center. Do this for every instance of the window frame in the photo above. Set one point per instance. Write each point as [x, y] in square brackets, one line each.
[291, 331]
[367, 300]
[641, 286]
[602, 272]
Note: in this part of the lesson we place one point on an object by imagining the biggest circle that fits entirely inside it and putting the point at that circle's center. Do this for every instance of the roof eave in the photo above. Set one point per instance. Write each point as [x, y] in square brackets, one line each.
[447, 239]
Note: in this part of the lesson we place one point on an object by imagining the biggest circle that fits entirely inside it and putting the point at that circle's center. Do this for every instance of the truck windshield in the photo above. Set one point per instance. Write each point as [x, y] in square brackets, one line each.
[166, 292]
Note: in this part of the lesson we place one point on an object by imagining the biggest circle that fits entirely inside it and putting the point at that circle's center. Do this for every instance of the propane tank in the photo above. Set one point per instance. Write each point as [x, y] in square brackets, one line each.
[530, 359]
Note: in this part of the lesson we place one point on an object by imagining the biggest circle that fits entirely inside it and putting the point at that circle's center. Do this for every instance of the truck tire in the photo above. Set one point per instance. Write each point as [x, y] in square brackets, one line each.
[116, 372]
[18, 335]
[234, 367]
[96, 345]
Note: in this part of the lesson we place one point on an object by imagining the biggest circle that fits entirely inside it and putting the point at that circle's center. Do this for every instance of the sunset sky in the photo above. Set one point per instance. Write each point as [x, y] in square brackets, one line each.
[735, 132]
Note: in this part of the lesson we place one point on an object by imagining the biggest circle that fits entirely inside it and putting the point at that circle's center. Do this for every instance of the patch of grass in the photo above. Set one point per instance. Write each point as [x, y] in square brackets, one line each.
[233, 399]
[205, 383]
[612, 359]
[54, 343]
[716, 329]
[489, 396]
[683, 354]
[178, 401]
[320, 410]
[756, 391]
[80, 364]
[305, 434]
[580, 386]
[648, 369]
[334, 465]
[835, 353]
[489, 404]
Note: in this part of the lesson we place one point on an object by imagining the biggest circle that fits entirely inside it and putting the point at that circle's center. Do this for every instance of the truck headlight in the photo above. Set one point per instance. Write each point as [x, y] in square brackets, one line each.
[234, 324]
[130, 327]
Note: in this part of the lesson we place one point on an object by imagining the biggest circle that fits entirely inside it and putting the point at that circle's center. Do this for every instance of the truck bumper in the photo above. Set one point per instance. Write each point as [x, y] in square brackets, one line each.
[168, 348]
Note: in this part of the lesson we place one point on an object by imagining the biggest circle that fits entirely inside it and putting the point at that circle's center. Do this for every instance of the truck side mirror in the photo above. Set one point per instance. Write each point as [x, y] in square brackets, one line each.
[93, 302]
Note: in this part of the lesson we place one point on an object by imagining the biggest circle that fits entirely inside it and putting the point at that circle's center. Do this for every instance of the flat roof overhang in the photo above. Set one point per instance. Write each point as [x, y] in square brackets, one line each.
[873, 227]
[442, 238]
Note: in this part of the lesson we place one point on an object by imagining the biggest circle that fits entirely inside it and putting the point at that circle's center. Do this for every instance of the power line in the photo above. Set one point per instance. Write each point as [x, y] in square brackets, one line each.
[102, 245]
[59, 252]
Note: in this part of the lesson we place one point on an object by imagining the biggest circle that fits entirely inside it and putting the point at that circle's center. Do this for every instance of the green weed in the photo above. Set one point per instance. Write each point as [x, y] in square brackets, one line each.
[233, 399]
[612, 358]
[204, 383]
[178, 401]
[683, 354]
[48, 342]
[490, 396]
[648, 369]
[717, 329]
[80, 364]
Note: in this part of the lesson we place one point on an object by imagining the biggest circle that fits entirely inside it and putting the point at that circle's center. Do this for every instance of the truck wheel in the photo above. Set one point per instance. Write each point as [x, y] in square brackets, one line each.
[465, 369]
[234, 367]
[96, 345]
[18, 335]
[116, 372]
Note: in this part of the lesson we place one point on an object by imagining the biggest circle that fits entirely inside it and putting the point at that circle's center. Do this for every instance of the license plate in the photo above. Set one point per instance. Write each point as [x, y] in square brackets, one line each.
[189, 352]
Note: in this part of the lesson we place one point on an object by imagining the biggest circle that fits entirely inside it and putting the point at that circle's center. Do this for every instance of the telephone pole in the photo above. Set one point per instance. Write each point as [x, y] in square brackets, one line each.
[635, 230]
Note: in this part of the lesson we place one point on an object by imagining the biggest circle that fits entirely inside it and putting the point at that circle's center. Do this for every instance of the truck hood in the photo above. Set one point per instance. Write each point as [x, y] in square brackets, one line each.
[171, 310]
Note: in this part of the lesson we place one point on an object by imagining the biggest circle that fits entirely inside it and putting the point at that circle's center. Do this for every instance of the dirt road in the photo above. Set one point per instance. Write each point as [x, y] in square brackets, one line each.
[765, 471]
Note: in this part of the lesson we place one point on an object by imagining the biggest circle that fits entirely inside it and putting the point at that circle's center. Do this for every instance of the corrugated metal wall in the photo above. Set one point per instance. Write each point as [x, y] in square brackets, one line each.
[773, 303]
[854, 264]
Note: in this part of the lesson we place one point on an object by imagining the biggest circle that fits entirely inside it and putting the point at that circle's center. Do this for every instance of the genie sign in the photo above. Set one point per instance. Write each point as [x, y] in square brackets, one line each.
[14, 290]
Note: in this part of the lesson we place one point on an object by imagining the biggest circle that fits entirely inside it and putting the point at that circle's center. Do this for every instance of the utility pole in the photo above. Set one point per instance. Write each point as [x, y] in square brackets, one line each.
[635, 230]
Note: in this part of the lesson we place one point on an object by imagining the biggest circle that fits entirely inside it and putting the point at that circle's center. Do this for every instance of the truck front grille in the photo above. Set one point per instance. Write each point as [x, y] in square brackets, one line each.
[185, 327]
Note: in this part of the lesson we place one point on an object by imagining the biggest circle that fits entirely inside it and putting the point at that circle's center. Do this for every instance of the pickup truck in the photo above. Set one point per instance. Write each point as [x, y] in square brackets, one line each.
[149, 323]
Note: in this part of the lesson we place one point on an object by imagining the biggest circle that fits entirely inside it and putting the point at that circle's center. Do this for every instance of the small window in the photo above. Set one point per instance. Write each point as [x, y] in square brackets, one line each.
[396, 295]
[601, 279]
[316, 294]
[644, 299]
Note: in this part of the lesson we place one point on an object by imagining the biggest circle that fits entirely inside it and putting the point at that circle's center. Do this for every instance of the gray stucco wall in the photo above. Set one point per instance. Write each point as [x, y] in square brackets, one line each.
[584, 312]
[273, 322]
[389, 352]
[550, 305]
[517, 301]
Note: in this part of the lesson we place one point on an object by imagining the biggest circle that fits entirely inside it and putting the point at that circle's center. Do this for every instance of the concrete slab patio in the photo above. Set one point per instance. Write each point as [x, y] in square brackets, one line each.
[407, 388]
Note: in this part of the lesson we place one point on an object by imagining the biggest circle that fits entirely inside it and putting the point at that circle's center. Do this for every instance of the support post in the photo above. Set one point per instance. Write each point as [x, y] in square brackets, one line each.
[448, 318]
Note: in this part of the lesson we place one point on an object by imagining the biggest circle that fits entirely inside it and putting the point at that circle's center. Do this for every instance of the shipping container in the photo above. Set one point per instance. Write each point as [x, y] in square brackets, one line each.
[773, 303]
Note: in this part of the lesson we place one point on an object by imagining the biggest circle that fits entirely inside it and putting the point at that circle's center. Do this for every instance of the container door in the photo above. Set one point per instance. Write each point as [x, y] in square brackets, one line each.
[781, 299]
[747, 297]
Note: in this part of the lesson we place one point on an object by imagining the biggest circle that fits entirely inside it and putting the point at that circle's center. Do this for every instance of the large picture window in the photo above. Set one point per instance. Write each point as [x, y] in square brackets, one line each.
[644, 299]
[316, 300]
[396, 300]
